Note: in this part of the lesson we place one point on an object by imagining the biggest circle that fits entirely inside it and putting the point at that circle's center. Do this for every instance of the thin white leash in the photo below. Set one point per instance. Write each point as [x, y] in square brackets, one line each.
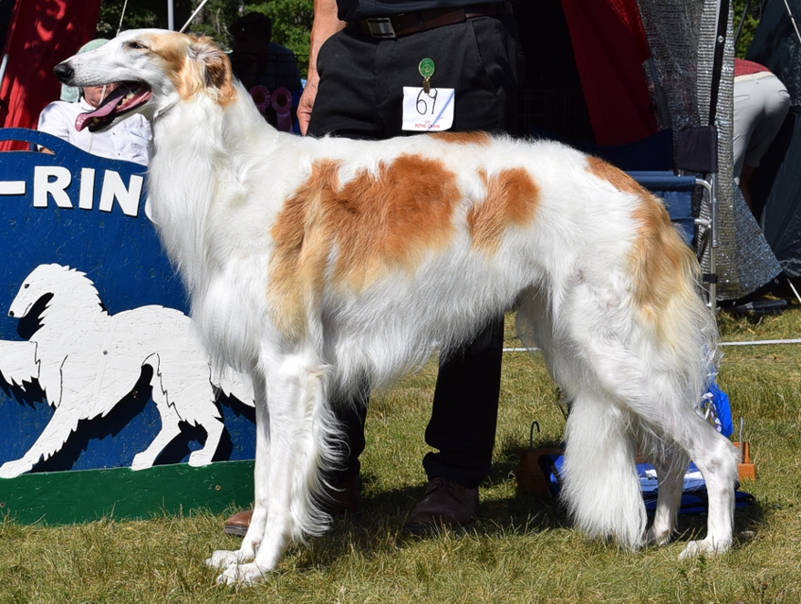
[197, 10]
[792, 20]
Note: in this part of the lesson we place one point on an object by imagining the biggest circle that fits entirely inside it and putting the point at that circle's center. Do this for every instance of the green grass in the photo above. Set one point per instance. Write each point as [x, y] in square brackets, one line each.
[522, 549]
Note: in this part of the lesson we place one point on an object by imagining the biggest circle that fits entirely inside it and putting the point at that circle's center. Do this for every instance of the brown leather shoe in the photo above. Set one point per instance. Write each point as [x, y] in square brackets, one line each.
[445, 504]
[237, 525]
[341, 500]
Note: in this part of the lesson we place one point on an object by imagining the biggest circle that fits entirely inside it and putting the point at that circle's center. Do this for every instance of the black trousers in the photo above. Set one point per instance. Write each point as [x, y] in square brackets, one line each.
[360, 96]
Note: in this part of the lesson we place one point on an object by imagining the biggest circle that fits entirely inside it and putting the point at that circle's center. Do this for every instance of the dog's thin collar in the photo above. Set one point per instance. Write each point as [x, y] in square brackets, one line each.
[158, 112]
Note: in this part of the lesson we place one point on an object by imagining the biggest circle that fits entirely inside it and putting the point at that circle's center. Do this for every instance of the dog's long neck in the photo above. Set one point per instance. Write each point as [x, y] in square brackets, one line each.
[197, 148]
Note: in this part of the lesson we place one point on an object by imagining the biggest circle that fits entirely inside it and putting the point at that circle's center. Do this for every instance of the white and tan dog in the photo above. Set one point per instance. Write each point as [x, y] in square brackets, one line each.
[314, 263]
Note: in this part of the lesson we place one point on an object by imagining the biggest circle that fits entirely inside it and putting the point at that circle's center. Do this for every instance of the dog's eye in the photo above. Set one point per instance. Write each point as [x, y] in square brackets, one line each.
[134, 45]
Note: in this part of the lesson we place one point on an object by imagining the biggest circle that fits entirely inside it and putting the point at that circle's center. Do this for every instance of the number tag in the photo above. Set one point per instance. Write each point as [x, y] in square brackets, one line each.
[430, 111]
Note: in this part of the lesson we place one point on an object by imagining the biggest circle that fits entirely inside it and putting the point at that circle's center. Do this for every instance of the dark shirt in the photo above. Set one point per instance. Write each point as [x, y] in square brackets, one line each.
[353, 10]
[277, 68]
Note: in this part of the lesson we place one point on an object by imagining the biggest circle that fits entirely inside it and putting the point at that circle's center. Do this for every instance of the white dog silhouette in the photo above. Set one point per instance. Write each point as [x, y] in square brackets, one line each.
[86, 361]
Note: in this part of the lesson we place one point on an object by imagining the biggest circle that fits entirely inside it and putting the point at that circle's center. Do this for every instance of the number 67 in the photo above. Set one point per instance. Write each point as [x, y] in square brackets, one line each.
[422, 101]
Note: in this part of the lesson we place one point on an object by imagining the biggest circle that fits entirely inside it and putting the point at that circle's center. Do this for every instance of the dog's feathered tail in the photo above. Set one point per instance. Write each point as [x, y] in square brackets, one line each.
[630, 365]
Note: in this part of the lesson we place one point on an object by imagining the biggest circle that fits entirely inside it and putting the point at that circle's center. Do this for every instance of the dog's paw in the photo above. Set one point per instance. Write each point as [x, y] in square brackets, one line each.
[705, 547]
[223, 558]
[656, 538]
[241, 575]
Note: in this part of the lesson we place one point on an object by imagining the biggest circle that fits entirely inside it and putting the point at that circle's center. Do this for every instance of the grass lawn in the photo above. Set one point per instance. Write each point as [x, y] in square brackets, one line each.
[522, 550]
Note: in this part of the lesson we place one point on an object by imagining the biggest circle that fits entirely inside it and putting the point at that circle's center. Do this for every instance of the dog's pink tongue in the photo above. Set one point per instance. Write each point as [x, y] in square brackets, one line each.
[106, 107]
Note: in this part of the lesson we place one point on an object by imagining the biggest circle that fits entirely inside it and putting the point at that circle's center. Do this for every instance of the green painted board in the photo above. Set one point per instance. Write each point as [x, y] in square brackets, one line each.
[87, 495]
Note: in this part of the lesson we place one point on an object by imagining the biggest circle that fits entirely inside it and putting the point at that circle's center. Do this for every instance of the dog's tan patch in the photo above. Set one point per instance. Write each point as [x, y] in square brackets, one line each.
[377, 221]
[392, 217]
[512, 199]
[195, 65]
[619, 179]
[297, 264]
[659, 259]
[464, 138]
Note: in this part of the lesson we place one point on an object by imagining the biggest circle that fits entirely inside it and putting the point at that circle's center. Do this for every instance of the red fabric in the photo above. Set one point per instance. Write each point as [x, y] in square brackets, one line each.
[610, 46]
[743, 67]
[42, 34]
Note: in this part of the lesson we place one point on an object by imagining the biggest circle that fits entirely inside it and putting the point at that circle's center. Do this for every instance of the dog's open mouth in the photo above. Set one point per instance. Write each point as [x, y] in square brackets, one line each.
[125, 98]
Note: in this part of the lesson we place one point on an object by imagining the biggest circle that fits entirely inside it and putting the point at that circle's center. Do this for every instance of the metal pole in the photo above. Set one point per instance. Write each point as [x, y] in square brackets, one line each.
[170, 15]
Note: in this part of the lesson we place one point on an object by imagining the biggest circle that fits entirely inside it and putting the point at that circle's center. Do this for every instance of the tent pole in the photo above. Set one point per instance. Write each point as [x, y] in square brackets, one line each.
[170, 15]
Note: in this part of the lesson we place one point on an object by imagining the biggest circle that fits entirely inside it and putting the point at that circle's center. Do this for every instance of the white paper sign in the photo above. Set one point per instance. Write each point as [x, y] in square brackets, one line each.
[430, 111]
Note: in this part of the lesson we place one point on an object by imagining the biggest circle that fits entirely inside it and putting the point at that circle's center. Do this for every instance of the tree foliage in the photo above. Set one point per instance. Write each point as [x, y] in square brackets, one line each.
[292, 19]
[752, 17]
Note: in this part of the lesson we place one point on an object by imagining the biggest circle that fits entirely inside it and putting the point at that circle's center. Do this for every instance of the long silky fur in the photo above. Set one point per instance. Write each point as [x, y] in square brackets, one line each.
[603, 285]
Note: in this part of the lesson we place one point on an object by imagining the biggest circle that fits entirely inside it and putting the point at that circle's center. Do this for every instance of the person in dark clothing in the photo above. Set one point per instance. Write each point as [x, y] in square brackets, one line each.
[366, 58]
[268, 70]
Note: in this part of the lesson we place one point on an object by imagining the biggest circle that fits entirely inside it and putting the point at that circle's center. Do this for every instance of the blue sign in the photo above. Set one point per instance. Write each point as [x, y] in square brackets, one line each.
[99, 365]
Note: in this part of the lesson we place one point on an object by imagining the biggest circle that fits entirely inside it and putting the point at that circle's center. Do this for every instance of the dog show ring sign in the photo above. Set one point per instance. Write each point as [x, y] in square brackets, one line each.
[109, 402]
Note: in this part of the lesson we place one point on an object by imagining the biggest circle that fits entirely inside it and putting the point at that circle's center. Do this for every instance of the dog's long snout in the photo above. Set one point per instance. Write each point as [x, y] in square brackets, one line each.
[63, 71]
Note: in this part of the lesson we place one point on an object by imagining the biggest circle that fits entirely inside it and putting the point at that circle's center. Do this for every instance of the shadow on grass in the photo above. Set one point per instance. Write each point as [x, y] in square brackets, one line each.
[379, 528]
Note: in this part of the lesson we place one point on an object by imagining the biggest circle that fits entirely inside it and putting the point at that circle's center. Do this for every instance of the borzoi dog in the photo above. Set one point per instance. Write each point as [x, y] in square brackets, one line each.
[87, 361]
[312, 263]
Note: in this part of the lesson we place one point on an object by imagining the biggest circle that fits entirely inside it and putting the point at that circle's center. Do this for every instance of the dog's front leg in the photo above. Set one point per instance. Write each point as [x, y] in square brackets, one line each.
[221, 559]
[295, 392]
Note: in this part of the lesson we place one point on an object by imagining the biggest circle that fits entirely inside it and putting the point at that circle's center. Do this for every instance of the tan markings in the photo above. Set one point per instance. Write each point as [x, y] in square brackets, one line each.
[297, 264]
[218, 74]
[392, 217]
[661, 263]
[512, 199]
[376, 221]
[464, 138]
[660, 260]
[195, 65]
[619, 179]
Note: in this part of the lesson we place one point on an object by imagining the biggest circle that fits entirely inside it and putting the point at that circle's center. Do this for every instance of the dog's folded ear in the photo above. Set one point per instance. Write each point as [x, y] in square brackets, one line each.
[215, 67]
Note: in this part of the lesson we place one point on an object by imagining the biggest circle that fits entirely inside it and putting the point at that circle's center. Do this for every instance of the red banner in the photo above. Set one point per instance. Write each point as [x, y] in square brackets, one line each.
[610, 46]
[42, 34]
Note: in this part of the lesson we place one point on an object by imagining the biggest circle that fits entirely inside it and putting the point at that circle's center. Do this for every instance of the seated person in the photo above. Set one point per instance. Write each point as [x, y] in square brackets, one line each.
[761, 103]
[258, 62]
[127, 141]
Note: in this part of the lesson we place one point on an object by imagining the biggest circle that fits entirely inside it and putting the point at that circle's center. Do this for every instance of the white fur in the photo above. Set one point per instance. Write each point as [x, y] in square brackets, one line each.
[219, 180]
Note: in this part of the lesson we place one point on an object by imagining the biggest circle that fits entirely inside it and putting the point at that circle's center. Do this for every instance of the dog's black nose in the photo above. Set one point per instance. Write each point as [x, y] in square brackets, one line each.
[63, 71]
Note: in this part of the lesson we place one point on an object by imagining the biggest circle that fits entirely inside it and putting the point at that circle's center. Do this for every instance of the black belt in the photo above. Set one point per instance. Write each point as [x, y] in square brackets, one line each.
[410, 23]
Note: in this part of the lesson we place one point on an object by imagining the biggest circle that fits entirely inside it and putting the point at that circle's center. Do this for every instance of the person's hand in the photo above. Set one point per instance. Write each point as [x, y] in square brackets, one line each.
[307, 101]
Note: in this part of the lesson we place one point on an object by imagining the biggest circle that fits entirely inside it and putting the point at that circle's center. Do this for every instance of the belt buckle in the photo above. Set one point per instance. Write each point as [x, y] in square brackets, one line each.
[381, 27]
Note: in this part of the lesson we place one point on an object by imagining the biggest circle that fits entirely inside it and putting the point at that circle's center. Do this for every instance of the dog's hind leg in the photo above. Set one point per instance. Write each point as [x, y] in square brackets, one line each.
[300, 424]
[716, 458]
[670, 463]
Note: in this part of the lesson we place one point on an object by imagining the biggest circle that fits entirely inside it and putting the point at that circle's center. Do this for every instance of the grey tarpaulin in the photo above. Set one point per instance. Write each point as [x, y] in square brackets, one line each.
[681, 35]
